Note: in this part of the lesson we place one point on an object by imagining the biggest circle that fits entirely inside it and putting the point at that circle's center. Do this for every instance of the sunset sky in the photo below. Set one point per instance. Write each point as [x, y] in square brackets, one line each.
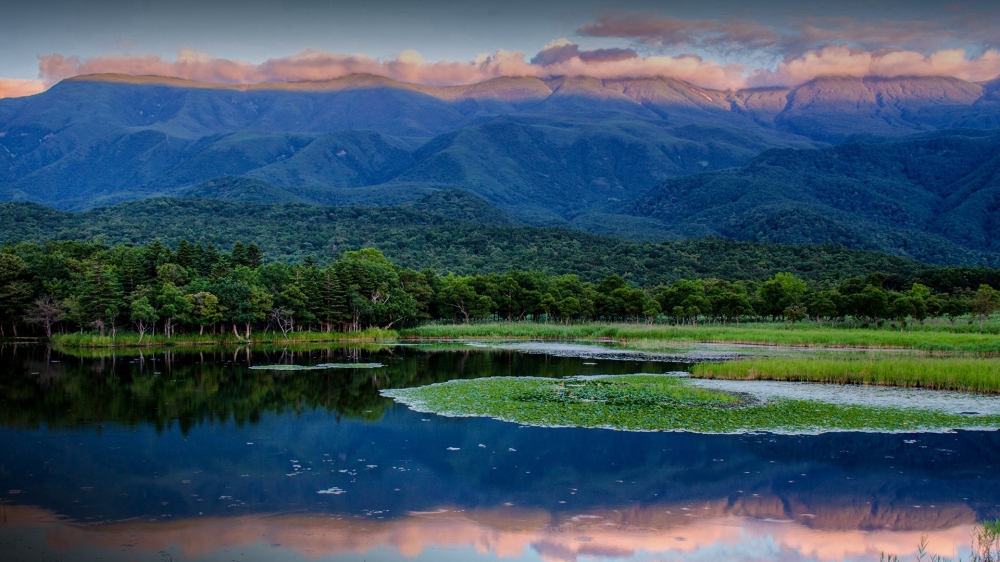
[712, 43]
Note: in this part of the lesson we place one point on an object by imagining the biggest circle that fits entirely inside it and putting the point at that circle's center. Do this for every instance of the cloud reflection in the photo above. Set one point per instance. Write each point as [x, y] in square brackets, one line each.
[506, 533]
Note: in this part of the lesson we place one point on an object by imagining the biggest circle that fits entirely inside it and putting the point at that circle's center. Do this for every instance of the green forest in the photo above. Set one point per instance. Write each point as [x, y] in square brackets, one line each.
[72, 287]
[448, 231]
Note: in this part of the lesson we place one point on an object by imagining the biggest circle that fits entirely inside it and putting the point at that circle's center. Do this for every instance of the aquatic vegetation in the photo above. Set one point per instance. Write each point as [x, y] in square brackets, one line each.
[319, 367]
[985, 546]
[661, 403]
[966, 374]
[131, 339]
[931, 338]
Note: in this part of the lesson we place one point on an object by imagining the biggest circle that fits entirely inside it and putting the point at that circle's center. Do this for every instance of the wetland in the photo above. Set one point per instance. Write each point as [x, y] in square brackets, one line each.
[196, 454]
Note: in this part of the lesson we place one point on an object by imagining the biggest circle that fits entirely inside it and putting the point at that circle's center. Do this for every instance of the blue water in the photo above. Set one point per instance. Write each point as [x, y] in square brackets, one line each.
[117, 458]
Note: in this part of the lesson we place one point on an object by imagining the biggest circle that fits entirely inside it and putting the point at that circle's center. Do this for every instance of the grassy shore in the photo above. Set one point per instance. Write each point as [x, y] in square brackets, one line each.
[939, 338]
[933, 338]
[131, 339]
[966, 374]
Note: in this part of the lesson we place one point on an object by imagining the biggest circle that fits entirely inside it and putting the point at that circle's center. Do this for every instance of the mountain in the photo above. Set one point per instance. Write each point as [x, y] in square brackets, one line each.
[934, 197]
[547, 151]
[447, 231]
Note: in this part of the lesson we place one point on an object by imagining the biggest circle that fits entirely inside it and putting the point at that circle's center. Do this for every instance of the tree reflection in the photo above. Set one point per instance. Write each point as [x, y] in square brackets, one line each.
[191, 386]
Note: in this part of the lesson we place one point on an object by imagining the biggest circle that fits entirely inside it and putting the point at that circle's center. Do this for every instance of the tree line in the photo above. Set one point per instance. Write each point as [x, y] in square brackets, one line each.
[71, 286]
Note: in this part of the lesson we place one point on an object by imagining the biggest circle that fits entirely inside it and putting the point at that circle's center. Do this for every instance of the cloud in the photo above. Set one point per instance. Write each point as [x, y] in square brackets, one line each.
[15, 87]
[870, 34]
[562, 50]
[844, 61]
[307, 65]
[559, 58]
[690, 68]
[797, 36]
[674, 32]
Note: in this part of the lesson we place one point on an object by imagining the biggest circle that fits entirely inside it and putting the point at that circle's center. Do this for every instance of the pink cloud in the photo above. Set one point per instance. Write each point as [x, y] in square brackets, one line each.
[308, 65]
[558, 58]
[409, 66]
[15, 87]
[844, 61]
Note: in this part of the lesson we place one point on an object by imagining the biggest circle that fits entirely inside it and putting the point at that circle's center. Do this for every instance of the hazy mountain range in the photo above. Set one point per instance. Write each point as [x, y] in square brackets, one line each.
[906, 165]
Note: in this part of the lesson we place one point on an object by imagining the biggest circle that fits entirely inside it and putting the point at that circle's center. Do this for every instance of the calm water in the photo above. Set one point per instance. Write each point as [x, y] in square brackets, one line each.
[196, 457]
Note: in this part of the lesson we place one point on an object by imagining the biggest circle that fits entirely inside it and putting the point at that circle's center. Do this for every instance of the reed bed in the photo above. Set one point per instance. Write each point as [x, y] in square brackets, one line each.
[762, 334]
[964, 374]
[131, 339]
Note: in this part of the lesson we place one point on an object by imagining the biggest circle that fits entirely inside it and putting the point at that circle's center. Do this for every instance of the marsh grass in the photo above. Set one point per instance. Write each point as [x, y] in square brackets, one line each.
[964, 374]
[985, 546]
[938, 338]
[131, 339]
[659, 403]
[276, 348]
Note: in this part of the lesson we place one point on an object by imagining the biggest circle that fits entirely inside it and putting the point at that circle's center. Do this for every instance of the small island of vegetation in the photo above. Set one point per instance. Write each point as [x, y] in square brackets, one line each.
[661, 403]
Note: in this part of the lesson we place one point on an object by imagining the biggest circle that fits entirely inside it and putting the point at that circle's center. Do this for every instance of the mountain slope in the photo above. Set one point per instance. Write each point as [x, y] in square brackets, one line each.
[433, 232]
[933, 197]
[547, 150]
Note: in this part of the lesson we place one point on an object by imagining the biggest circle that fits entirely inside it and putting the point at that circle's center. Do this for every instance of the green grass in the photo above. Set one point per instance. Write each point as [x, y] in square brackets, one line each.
[938, 338]
[659, 403]
[131, 339]
[965, 374]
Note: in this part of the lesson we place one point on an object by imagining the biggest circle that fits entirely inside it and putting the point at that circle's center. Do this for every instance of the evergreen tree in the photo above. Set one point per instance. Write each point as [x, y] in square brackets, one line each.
[100, 297]
[186, 255]
[16, 290]
[254, 257]
[238, 257]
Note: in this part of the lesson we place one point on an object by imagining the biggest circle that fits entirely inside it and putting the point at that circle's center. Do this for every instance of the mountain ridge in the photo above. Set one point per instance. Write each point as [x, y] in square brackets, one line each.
[932, 197]
[563, 151]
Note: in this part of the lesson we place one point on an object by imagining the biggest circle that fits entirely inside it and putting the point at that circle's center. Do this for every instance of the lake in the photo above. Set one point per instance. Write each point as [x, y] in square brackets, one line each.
[194, 456]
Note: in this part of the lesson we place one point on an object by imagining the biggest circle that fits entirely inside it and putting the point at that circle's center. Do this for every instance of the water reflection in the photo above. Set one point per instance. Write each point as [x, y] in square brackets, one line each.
[193, 386]
[141, 453]
[506, 533]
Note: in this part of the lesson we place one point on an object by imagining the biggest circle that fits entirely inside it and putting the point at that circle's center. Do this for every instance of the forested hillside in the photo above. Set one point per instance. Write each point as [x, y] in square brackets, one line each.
[446, 231]
[547, 150]
[933, 197]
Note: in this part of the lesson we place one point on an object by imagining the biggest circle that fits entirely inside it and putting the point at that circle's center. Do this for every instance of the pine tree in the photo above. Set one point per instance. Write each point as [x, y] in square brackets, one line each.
[255, 258]
[211, 259]
[239, 255]
[15, 290]
[100, 297]
[185, 256]
[200, 259]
